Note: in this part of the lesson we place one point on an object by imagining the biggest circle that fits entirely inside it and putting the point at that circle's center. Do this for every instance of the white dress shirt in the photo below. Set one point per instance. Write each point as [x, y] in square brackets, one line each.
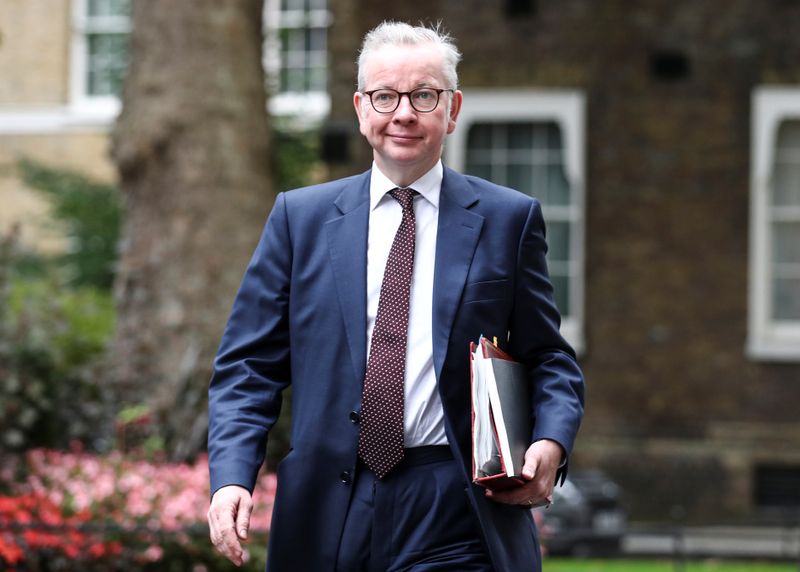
[424, 416]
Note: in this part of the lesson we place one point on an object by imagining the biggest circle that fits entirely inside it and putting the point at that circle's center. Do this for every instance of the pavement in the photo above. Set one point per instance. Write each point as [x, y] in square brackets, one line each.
[714, 541]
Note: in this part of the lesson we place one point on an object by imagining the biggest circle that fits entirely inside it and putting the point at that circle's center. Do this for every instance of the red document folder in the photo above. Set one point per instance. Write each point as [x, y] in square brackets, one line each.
[501, 420]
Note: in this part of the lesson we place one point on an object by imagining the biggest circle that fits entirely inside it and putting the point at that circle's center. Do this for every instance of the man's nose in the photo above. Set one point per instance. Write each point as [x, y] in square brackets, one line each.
[405, 111]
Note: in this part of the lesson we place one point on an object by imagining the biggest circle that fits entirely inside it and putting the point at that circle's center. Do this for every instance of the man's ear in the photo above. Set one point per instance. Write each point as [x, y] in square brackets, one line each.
[455, 108]
[358, 104]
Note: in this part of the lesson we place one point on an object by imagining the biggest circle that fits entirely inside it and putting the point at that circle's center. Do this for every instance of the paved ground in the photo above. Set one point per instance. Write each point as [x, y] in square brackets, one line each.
[721, 541]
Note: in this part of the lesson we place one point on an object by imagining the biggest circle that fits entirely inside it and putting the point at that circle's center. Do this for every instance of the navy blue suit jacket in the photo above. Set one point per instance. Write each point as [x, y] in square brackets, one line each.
[300, 318]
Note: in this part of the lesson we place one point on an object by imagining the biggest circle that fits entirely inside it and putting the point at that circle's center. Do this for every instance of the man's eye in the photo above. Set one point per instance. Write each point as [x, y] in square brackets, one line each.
[423, 95]
[384, 97]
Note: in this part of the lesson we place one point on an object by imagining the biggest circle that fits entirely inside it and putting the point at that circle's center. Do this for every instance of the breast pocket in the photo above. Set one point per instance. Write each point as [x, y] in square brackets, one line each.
[486, 290]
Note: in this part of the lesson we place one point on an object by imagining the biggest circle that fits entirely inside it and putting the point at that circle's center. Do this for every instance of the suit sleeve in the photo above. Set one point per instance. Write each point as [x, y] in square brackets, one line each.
[252, 365]
[557, 381]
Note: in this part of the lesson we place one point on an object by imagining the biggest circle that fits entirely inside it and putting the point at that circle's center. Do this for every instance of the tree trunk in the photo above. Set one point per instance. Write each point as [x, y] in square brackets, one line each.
[192, 150]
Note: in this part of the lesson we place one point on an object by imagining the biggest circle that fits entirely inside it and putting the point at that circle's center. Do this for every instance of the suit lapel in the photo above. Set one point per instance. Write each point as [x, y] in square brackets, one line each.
[457, 237]
[347, 243]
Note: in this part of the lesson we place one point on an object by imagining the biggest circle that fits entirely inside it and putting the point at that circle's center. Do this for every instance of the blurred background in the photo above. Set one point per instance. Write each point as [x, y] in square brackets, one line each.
[142, 144]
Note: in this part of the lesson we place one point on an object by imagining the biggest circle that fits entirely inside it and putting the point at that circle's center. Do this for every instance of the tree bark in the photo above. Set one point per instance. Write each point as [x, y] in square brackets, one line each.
[192, 149]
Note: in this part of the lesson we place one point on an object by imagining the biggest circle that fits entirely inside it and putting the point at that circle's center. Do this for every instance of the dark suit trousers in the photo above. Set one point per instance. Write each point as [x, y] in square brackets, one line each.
[417, 519]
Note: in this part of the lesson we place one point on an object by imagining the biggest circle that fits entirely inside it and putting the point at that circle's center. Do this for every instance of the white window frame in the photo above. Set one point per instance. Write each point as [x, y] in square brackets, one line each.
[310, 107]
[767, 340]
[81, 112]
[567, 108]
[80, 99]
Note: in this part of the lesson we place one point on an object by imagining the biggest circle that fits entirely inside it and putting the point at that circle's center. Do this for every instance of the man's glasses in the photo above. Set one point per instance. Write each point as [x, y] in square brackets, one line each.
[422, 99]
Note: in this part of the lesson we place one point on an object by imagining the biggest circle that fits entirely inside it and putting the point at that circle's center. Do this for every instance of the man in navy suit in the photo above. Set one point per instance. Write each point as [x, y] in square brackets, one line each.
[308, 312]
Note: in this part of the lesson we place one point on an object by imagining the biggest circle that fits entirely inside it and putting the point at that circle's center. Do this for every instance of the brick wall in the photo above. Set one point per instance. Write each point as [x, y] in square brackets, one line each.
[34, 42]
[34, 77]
[668, 88]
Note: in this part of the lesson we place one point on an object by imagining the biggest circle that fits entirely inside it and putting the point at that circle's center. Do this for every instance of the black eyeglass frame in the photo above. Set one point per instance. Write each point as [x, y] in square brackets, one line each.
[400, 95]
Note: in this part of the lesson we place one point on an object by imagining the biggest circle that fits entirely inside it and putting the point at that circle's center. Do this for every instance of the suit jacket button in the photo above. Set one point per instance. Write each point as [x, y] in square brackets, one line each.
[346, 477]
[354, 417]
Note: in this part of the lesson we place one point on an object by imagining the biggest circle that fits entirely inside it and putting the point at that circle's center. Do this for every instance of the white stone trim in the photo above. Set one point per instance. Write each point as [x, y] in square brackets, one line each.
[54, 120]
[766, 339]
[568, 109]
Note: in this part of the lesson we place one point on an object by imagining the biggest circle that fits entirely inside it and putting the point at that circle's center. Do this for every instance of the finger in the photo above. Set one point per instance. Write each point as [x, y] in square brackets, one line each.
[230, 540]
[530, 466]
[224, 535]
[230, 546]
[519, 495]
[533, 492]
[243, 518]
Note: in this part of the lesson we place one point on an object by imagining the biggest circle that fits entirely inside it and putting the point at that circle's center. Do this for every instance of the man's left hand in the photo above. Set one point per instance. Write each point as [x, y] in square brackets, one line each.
[542, 460]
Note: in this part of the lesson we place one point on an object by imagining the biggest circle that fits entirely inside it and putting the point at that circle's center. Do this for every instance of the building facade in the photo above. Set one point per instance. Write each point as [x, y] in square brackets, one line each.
[663, 139]
[62, 65]
[60, 68]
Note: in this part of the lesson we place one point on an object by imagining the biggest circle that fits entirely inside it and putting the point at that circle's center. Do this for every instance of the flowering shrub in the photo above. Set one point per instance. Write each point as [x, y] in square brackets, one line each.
[50, 340]
[112, 512]
[37, 524]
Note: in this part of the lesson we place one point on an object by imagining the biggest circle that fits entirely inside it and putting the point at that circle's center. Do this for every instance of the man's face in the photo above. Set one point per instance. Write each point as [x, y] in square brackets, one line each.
[406, 143]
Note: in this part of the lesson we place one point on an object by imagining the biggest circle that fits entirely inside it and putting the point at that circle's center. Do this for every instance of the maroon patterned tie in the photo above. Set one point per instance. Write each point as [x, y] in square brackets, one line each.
[380, 443]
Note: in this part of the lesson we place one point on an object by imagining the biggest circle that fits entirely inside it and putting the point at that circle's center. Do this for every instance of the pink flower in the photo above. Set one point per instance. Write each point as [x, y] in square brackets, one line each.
[68, 489]
[154, 553]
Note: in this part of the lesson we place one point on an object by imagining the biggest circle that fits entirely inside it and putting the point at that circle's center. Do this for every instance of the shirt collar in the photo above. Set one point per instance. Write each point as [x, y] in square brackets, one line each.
[428, 185]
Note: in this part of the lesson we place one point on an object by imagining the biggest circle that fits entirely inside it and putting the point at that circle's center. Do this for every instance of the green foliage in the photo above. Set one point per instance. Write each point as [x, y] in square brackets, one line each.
[134, 430]
[50, 337]
[295, 155]
[57, 315]
[580, 565]
[91, 214]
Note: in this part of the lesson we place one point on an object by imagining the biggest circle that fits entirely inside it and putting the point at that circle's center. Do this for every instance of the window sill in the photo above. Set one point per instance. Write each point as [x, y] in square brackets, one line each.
[58, 119]
[768, 349]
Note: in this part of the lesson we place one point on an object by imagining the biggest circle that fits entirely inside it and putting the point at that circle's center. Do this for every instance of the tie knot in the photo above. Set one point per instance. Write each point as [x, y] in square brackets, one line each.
[404, 196]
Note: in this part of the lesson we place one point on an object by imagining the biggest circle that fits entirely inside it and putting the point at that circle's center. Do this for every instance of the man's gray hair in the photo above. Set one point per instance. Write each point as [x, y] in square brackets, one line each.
[402, 34]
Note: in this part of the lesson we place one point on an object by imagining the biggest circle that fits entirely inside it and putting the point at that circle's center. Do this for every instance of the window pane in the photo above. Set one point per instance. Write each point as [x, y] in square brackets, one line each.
[561, 292]
[295, 79]
[296, 44]
[304, 49]
[317, 40]
[520, 136]
[786, 176]
[284, 79]
[109, 8]
[557, 185]
[108, 58]
[786, 184]
[528, 157]
[284, 38]
[292, 5]
[786, 299]
[786, 243]
[789, 135]
[558, 241]
[553, 136]
[520, 177]
[318, 79]
[482, 170]
[479, 137]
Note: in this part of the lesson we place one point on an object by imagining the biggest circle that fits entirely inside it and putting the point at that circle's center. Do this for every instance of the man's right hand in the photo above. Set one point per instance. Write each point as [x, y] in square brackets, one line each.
[228, 521]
